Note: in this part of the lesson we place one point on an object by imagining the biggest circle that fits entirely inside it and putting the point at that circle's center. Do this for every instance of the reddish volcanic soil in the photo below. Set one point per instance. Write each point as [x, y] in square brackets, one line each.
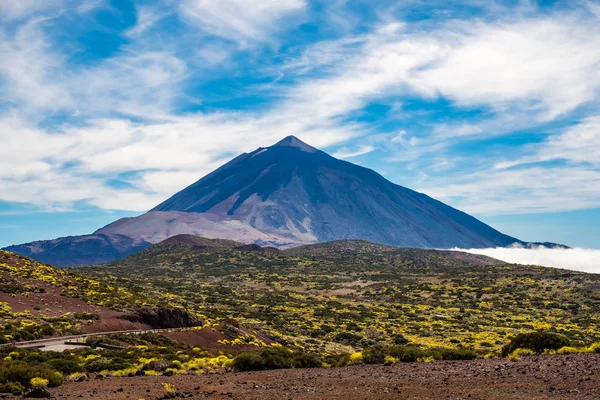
[50, 303]
[208, 338]
[549, 377]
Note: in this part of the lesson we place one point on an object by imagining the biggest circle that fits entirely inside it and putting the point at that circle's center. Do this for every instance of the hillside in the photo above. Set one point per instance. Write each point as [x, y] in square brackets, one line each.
[38, 300]
[348, 295]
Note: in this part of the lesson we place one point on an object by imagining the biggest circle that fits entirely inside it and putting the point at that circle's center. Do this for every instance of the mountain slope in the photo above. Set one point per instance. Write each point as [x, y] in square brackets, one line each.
[296, 192]
[81, 250]
[285, 195]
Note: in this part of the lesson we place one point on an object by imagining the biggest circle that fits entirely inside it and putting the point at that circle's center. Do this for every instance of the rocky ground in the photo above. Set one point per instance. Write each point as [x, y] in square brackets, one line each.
[538, 377]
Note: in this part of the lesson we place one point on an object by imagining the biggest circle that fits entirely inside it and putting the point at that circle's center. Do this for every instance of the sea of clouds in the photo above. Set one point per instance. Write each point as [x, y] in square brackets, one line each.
[576, 259]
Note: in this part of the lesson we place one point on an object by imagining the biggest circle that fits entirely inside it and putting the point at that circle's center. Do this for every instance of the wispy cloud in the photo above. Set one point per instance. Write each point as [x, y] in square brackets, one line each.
[18, 9]
[560, 174]
[579, 143]
[240, 20]
[521, 191]
[346, 152]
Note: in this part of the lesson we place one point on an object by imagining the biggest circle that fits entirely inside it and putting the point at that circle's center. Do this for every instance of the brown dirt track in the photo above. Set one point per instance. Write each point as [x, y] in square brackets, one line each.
[549, 377]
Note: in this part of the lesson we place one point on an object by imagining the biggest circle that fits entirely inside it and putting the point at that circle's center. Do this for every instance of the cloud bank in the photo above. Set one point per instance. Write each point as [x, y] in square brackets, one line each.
[576, 259]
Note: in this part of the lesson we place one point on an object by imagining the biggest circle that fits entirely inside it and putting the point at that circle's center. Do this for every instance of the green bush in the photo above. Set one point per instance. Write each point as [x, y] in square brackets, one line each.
[275, 358]
[374, 355]
[452, 354]
[536, 341]
[12, 387]
[347, 338]
[307, 360]
[405, 353]
[337, 360]
[111, 364]
[399, 339]
[22, 372]
[248, 362]
[66, 366]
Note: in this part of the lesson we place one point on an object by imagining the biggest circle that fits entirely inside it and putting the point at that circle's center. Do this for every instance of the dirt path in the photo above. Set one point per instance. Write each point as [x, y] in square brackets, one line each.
[549, 377]
[58, 343]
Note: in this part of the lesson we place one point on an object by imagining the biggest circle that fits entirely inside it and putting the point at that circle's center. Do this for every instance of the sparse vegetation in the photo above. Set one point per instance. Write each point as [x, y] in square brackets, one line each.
[343, 297]
[49, 289]
[328, 305]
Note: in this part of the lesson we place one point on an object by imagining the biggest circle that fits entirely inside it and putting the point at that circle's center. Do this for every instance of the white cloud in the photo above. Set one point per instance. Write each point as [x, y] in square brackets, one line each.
[28, 49]
[17, 9]
[144, 83]
[545, 65]
[146, 18]
[584, 260]
[527, 190]
[346, 152]
[140, 84]
[525, 70]
[579, 143]
[167, 155]
[240, 20]
[522, 184]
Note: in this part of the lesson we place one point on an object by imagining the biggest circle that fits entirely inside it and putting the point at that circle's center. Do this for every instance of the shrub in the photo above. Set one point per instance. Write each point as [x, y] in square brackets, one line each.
[157, 365]
[104, 363]
[594, 348]
[38, 383]
[12, 387]
[390, 360]
[356, 358]
[307, 360]
[399, 339]
[405, 353]
[170, 389]
[571, 350]
[453, 354]
[248, 362]
[337, 360]
[275, 358]
[347, 338]
[77, 375]
[66, 366]
[374, 355]
[22, 372]
[536, 341]
[520, 353]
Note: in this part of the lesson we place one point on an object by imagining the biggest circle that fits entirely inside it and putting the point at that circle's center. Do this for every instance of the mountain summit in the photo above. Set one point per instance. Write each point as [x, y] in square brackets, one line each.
[290, 194]
[293, 141]
[296, 194]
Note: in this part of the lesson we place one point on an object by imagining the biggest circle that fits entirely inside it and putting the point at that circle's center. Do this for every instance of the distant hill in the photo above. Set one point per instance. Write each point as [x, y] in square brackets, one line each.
[285, 195]
[81, 250]
[187, 250]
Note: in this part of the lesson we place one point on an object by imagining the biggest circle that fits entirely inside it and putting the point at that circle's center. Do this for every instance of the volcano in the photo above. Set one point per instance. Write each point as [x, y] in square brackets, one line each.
[290, 194]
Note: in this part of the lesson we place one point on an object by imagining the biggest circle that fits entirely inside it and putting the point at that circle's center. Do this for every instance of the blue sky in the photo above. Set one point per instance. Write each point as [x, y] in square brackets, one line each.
[109, 107]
